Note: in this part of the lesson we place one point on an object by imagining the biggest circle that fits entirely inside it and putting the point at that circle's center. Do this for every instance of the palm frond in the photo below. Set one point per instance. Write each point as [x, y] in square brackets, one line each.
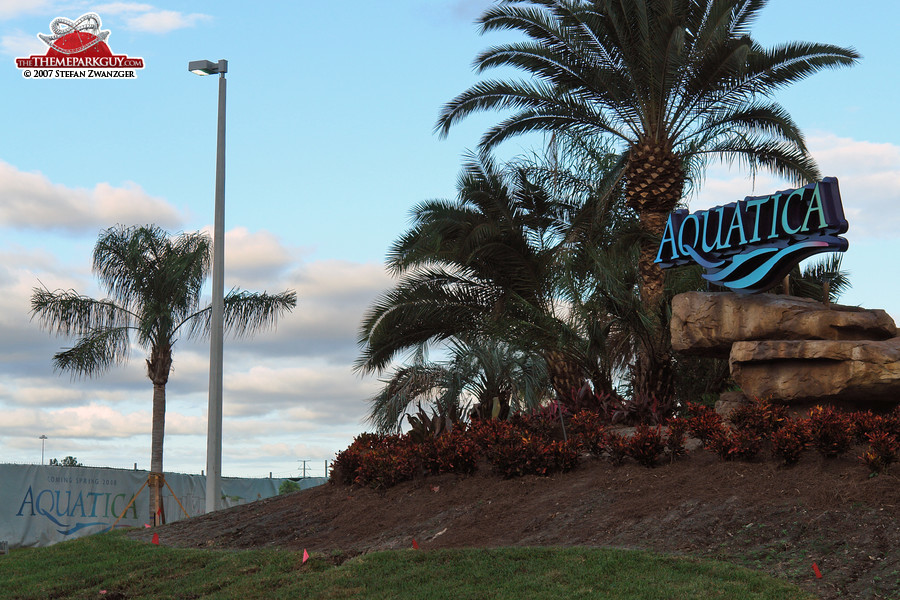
[95, 352]
[245, 313]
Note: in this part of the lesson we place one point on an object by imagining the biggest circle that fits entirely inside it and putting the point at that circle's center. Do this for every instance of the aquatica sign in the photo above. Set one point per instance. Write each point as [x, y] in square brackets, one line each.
[750, 245]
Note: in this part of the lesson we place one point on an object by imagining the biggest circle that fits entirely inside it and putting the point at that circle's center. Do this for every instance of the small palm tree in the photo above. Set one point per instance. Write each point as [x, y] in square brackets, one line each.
[485, 264]
[154, 283]
[479, 372]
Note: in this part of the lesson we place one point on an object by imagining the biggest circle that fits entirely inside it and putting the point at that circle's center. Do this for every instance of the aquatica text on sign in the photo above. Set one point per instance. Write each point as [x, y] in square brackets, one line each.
[750, 245]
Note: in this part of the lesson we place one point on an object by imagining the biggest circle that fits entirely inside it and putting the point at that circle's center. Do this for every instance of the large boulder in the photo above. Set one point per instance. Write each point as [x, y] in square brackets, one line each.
[707, 324]
[861, 373]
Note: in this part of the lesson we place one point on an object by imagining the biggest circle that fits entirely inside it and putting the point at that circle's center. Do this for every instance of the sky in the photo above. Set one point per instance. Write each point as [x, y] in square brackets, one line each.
[330, 143]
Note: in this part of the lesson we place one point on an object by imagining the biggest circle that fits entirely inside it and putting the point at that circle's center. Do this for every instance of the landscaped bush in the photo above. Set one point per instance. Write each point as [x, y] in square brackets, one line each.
[588, 431]
[525, 445]
[531, 455]
[544, 423]
[345, 466]
[789, 442]
[641, 409]
[675, 437]
[646, 445]
[456, 452]
[759, 416]
[616, 446]
[487, 432]
[735, 444]
[882, 451]
[396, 458]
[704, 423]
[830, 430]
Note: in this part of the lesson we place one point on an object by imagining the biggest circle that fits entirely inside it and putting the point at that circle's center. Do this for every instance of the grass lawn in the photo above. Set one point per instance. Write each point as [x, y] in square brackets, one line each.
[114, 567]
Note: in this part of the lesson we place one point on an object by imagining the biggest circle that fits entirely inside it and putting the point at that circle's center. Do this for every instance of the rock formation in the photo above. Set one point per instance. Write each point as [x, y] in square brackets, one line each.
[794, 350]
[708, 324]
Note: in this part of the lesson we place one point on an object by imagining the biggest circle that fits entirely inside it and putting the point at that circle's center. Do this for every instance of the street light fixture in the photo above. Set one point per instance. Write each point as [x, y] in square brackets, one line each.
[217, 320]
[42, 438]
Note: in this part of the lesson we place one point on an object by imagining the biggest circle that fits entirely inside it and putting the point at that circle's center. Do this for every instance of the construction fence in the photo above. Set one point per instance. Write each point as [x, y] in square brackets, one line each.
[43, 505]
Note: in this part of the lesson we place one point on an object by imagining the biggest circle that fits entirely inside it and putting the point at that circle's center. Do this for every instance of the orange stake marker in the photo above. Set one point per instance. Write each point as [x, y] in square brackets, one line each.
[415, 545]
[817, 571]
[155, 539]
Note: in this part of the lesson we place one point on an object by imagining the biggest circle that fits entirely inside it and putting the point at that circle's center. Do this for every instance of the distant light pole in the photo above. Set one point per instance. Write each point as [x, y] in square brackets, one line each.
[217, 321]
[42, 438]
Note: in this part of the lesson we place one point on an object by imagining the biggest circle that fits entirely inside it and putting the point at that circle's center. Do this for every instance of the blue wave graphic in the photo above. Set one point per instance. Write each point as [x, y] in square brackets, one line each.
[81, 526]
[702, 260]
[717, 275]
[765, 268]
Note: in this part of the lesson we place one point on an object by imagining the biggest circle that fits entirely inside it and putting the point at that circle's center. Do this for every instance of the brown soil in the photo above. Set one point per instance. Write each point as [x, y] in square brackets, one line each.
[775, 519]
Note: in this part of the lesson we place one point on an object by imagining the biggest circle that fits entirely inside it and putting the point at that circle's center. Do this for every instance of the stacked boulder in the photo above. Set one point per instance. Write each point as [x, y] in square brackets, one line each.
[794, 350]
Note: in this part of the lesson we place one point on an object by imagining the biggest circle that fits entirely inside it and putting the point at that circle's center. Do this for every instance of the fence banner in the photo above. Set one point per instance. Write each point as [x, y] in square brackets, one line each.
[42, 505]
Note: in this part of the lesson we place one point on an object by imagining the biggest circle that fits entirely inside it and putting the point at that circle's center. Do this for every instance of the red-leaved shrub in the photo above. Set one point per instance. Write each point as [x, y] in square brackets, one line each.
[616, 446]
[704, 423]
[789, 442]
[760, 417]
[646, 444]
[830, 430]
[882, 451]
[675, 437]
[588, 431]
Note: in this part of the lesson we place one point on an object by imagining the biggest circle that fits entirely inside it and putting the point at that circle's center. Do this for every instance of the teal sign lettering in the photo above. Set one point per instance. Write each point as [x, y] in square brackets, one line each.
[750, 245]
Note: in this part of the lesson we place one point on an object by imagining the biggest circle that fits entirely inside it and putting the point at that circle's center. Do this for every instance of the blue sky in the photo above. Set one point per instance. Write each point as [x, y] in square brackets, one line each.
[331, 109]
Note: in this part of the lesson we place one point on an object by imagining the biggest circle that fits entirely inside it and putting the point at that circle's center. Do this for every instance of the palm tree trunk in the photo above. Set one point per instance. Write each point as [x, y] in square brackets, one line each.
[158, 366]
[157, 436]
[654, 183]
[654, 372]
[566, 377]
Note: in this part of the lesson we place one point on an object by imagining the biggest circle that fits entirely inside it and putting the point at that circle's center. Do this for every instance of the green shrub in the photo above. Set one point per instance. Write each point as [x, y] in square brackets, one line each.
[287, 486]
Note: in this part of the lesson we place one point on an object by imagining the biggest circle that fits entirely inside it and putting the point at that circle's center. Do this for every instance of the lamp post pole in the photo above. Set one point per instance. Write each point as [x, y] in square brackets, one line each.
[217, 320]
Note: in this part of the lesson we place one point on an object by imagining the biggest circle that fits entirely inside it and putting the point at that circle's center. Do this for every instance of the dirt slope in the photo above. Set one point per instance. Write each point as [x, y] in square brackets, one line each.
[779, 520]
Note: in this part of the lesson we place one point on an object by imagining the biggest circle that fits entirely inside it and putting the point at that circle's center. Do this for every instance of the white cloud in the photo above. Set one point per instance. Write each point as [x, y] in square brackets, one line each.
[10, 9]
[30, 200]
[869, 176]
[20, 44]
[254, 258]
[164, 21]
[115, 8]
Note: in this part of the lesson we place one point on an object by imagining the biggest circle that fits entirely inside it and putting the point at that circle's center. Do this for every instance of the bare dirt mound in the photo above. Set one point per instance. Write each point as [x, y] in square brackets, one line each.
[779, 520]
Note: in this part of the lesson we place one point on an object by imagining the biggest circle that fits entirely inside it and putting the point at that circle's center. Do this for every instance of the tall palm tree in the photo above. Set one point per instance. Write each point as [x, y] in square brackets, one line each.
[153, 282]
[675, 83]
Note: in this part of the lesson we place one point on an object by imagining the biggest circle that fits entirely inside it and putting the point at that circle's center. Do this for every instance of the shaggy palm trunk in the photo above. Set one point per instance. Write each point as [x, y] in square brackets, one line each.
[566, 377]
[654, 181]
[158, 367]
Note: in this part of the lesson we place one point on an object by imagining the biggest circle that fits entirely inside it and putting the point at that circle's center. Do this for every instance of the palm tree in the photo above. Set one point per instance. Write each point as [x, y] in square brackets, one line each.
[154, 283]
[485, 374]
[483, 265]
[674, 83]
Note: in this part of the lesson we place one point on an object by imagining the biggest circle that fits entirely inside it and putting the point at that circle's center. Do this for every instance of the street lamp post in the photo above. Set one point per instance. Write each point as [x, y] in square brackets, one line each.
[217, 321]
[42, 438]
